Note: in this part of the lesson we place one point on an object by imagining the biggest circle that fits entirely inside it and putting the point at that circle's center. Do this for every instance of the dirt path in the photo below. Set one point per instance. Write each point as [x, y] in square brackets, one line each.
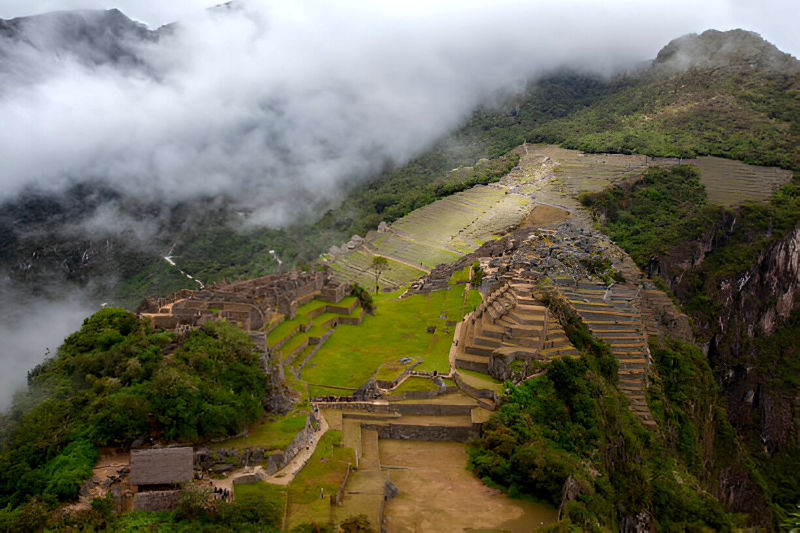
[283, 476]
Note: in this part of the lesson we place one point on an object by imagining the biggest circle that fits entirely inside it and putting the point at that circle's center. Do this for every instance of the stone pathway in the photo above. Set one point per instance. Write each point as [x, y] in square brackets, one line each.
[285, 475]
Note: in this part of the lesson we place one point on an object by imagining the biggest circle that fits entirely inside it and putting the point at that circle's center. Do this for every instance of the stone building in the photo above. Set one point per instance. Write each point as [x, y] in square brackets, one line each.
[156, 475]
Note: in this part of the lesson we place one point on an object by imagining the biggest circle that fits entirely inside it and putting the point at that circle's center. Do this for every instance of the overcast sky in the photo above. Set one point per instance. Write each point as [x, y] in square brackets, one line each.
[775, 20]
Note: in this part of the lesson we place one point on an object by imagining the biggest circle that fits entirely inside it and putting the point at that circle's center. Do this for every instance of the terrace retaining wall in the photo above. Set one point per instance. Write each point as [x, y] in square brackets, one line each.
[278, 460]
[426, 433]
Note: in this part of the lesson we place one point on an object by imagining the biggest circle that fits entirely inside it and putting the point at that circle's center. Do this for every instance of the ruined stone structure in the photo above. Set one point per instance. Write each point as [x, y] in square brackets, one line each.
[250, 304]
[510, 325]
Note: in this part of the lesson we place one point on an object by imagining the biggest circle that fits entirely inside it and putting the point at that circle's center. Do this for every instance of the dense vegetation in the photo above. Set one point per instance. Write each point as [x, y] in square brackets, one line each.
[652, 215]
[572, 428]
[116, 380]
[665, 216]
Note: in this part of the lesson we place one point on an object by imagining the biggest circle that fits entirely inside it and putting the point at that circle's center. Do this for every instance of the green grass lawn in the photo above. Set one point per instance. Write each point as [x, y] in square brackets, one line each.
[391, 369]
[473, 300]
[324, 317]
[460, 275]
[479, 375]
[326, 469]
[285, 328]
[454, 302]
[420, 384]
[275, 433]
[397, 329]
[270, 494]
[310, 306]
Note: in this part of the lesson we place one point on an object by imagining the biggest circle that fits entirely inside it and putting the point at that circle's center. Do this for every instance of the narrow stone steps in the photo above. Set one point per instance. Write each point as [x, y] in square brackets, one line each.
[626, 351]
[485, 341]
[624, 335]
[559, 352]
[483, 351]
[608, 313]
[526, 319]
[633, 325]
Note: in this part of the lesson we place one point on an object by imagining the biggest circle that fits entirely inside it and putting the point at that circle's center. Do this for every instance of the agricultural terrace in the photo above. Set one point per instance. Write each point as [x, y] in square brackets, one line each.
[437, 233]
[729, 183]
[355, 267]
[398, 328]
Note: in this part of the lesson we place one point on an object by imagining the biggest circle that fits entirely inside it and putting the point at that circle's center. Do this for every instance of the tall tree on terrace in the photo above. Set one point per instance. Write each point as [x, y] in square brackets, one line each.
[379, 264]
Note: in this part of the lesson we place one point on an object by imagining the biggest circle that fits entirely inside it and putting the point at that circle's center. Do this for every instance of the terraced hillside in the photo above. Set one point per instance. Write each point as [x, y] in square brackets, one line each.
[509, 325]
[436, 233]
[613, 315]
[729, 183]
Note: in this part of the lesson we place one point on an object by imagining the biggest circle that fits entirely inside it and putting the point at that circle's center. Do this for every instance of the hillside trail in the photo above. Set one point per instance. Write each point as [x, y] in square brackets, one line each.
[285, 475]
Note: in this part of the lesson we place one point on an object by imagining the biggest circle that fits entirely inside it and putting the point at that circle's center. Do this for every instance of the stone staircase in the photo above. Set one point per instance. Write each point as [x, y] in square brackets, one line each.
[613, 316]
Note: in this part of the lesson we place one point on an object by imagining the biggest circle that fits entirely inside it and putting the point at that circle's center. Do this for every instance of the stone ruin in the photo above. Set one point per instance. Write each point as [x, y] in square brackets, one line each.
[250, 304]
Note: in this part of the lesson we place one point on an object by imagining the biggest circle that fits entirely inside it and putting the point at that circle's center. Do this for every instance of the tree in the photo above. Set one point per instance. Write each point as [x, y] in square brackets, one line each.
[379, 264]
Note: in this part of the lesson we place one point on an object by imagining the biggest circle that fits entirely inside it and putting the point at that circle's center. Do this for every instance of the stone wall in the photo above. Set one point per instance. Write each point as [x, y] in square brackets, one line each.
[156, 501]
[336, 499]
[247, 479]
[426, 433]
[432, 409]
[423, 394]
[352, 320]
[278, 460]
[385, 384]
[474, 391]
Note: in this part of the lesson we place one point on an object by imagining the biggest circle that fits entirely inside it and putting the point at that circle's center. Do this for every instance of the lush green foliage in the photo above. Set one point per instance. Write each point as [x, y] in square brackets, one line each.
[663, 209]
[663, 215]
[114, 381]
[727, 112]
[573, 424]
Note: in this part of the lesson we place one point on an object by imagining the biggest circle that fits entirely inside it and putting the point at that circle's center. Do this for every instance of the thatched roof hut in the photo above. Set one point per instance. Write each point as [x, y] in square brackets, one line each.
[162, 466]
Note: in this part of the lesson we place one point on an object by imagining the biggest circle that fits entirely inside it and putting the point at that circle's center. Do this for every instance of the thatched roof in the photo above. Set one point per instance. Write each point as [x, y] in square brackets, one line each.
[156, 501]
[162, 466]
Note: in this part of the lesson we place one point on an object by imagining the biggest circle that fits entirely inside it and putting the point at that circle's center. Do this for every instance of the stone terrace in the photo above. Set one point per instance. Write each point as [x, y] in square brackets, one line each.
[509, 326]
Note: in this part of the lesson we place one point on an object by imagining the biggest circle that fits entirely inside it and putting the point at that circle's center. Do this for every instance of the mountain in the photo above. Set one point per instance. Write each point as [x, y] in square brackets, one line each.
[94, 38]
[732, 268]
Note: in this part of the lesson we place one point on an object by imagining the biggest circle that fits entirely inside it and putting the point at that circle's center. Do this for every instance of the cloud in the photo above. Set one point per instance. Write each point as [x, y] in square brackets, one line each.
[278, 104]
[31, 327]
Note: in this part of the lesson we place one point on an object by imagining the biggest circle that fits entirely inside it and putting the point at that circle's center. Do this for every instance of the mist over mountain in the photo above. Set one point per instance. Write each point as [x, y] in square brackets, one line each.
[274, 106]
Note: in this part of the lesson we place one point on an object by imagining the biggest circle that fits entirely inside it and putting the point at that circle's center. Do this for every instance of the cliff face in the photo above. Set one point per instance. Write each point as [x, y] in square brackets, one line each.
[744, 308]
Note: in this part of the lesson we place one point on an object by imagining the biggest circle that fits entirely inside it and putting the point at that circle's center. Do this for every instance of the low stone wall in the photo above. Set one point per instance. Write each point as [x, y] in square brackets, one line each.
[474, 391]
[352, 320]
[289, 358]
[426, 433]
[278, 460]
[384, 384]
[156, 501]
[312, 352]
[285, 339]
[357, 406]
[472, 365]
[336, 499]
[247, 479]
[340, 309]
[423, 394]
[432, 409]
